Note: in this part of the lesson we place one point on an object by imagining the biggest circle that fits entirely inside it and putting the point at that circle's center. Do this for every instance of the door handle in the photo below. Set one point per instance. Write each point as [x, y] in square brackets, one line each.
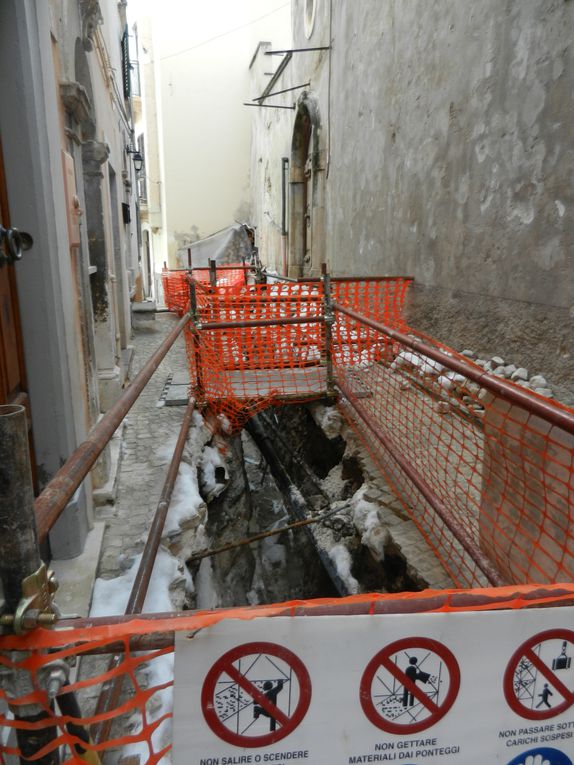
[15, 243]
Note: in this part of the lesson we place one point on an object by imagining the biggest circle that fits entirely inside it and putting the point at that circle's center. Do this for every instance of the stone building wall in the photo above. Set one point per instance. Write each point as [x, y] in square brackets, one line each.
[444, 149]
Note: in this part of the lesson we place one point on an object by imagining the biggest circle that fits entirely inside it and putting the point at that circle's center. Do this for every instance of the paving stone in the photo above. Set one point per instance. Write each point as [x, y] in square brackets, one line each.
[147, 429]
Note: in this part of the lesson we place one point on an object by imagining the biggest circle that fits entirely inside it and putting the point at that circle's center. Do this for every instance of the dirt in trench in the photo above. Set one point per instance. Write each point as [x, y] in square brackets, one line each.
[337, 556]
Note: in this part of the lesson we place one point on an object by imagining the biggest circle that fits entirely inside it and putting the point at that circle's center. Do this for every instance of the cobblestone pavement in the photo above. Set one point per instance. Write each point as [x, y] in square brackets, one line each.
[149, 432]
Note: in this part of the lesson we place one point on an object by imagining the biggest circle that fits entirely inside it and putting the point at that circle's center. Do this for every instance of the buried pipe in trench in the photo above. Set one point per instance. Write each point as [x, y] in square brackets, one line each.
[294, 500]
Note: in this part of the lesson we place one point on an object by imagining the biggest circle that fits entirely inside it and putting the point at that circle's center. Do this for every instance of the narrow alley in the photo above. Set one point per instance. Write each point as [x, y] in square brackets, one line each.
[286, 382]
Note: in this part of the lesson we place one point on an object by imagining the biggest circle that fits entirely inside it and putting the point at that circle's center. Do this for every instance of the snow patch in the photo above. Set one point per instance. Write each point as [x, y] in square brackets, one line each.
[341, 557]
[110, 596]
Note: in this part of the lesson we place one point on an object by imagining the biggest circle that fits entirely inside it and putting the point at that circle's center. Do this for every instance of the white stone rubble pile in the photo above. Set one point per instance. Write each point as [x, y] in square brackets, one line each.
[496, 365]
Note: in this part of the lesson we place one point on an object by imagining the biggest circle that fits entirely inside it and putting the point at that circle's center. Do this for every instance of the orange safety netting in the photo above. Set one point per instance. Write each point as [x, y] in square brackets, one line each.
[176, 283]
[242, 369]
[484, 468]
[141, 719]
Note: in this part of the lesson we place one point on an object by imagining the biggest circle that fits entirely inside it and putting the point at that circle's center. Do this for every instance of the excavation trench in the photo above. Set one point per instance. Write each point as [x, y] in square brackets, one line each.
[288, 465]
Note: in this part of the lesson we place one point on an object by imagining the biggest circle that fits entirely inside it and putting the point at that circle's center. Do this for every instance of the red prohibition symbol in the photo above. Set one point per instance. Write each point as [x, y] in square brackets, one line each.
[539, 678]
[410, 685]
[256, 694]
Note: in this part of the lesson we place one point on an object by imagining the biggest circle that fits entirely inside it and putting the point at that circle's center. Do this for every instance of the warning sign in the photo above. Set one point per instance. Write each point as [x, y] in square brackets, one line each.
[539, 679]
[410, 685]
[256, 694]
[406, 689]
[543, 756]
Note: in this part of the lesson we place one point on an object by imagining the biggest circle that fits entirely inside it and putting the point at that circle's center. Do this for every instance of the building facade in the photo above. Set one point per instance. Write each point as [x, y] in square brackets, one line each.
[69, 181]
[432, 140]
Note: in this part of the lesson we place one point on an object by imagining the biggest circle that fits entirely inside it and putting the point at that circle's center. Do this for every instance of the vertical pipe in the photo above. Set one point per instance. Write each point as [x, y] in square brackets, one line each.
[110, 695]
[20, 555]
[189, 258]
[194, 329]
[213, 273]
[328, 316]
[284, 171]
[20, 552]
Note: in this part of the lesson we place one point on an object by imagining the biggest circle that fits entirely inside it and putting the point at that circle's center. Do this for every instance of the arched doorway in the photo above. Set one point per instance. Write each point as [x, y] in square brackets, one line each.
[306, 191]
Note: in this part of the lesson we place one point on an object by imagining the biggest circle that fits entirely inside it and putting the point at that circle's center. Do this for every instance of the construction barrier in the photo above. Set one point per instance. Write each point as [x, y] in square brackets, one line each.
[265, 344]
[483, 467]
[142, 718]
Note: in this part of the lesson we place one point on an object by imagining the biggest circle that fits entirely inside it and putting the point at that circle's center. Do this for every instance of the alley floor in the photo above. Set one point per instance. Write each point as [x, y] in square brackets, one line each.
[149, 433]
[147, 437]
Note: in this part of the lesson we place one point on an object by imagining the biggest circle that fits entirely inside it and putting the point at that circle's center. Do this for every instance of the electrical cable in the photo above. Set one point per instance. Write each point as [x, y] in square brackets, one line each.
[224, 34]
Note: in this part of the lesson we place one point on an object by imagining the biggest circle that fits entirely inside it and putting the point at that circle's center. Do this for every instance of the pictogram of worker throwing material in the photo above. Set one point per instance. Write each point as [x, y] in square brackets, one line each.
[256, 694]
[410, 685]
[539, 678]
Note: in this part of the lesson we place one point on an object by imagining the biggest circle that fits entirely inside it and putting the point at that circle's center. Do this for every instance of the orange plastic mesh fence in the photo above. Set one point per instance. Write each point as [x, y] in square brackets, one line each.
[175, 290]
[242, 369]
[142, 717]
[176, 283]
[484, 468]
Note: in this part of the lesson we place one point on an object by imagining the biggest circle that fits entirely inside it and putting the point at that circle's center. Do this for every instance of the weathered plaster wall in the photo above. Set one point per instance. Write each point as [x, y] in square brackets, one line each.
[449, 155]
[203, 57]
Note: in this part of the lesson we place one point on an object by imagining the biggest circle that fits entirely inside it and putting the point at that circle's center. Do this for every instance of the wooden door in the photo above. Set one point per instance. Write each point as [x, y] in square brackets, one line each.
[12, 378]
[12, 371]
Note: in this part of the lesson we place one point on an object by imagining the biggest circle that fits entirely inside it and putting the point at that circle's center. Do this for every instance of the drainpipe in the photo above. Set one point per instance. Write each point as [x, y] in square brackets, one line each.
[284, 230]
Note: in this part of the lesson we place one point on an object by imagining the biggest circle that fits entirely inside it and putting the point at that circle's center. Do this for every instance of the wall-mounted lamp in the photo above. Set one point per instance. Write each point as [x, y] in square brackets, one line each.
[136, 157]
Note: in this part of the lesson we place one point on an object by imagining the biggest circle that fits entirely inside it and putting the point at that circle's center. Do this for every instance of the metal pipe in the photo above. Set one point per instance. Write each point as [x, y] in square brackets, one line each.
[141, 582]
[261, 322]
[219, 268]
[199, 392]
[20, 552]
[552, 413]
[213, 273]
[270, 106]
[20, 557]
[327, 330]
[52, 501]
[284, 170]
[262, 535]
[294, 500]
[457, 530]
[279, 92]
[465, 600]
[358, 278]
[110, 695]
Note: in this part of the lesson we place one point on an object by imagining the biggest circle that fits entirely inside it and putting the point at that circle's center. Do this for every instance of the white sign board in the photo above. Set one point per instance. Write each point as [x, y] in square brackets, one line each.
[471, 688]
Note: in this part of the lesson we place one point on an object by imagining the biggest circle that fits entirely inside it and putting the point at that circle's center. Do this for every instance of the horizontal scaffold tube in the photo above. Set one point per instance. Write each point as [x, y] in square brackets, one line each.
[550, 412]
[260, 322]
[52, 501]
[418, 481]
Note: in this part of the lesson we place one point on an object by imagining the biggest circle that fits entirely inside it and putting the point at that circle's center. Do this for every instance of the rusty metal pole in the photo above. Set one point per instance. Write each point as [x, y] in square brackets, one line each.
[194, 328]
[20, 554]
[213, 273]
[329, 319]
[111, 694]
[19, 561]
[52, 501]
